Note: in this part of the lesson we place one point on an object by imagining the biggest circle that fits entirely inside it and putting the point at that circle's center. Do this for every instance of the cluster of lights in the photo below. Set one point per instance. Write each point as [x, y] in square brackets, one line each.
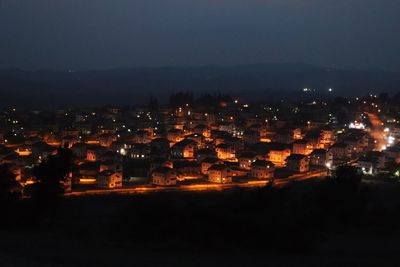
[357, 125]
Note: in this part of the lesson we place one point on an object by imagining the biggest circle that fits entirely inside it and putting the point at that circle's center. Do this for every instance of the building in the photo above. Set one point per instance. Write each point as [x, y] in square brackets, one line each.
[164, 176]
[327, 138]
[393, 154]
[208, 162]
[202, 130]
[372, 163]
[341, 151]
[251, 136]
[160, 144]
[284, 137]
[246, 159]
[175, 135]
[184, 149]
[140, 151]
[109, 179]
[298, 163]
[94, 152]
[219, 173]
[225, 152]
[106, 140]
[262, 169]
[321, 158]
[160, 162]
[278, 154]
[69, 140]
[302, 147]
[187, 169]
[142, 137]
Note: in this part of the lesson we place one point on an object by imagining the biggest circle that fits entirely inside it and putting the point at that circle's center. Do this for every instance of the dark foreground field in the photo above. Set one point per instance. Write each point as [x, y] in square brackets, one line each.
[304, 224]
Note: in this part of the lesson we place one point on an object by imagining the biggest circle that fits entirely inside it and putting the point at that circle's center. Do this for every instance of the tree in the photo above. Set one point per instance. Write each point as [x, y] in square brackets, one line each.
[341, 197]
[347, 178]
[9, 187]
[50, 175]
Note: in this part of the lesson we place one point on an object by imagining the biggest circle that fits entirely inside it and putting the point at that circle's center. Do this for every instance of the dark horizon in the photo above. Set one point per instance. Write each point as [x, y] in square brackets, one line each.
[257, 82]
[206, 65]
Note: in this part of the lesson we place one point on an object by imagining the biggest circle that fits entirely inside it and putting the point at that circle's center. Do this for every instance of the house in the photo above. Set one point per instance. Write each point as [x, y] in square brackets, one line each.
[297, 135]
[136, 168]
[357, 139]
[175, 135]
[184, 149]
[70, 132]
[88, 173]
[23, 150]
[106, 139]
[164, 176]
[236, 142]
[327, 138]
[69, 140]
[278, 153]
[110, 156]
[198, 138]
[79, 150]
[142, 137]
[262, 169]
[187, 169]
[219, 173]
[109, 179]
[160, 144]
[42, 150]
[33, 140]
[160, 162]
[202, 130]
[298, 163]
[246, 159]
[341, 151]
[140, 151]
[121, 147]
[235, 170]
[302, 147]
[251, 136]
[208, 162]
[204, 153]
[284, 137]
[322, 158]
[227, 127]
[367, 165]
[111, 165]
[225, 152]
[372, 163]
[94, 152]
[393, 154]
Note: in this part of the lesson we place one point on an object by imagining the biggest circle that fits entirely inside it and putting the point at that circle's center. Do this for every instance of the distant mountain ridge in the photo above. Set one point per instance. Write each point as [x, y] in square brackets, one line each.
[260, 82]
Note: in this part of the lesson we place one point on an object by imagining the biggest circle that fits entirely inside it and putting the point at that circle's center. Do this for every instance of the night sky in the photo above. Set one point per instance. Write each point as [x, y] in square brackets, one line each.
[101, 34]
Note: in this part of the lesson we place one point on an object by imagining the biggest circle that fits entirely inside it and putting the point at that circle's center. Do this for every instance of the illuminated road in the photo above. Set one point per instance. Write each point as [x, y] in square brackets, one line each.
[377, 131]
[202, 187]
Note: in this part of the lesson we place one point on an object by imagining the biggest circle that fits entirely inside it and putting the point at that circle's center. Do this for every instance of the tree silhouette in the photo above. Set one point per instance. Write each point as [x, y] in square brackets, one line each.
[341, 196]
[50, 175]
[9, 187]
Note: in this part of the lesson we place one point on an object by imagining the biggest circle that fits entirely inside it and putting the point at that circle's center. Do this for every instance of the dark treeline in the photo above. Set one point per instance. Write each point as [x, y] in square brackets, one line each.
[294, 219]
[257, 82]
[38, 202]
[181, 99]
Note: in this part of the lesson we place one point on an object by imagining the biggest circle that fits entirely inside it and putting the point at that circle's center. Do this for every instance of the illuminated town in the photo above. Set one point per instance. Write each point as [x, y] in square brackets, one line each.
[255, 133]
[195, 145]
